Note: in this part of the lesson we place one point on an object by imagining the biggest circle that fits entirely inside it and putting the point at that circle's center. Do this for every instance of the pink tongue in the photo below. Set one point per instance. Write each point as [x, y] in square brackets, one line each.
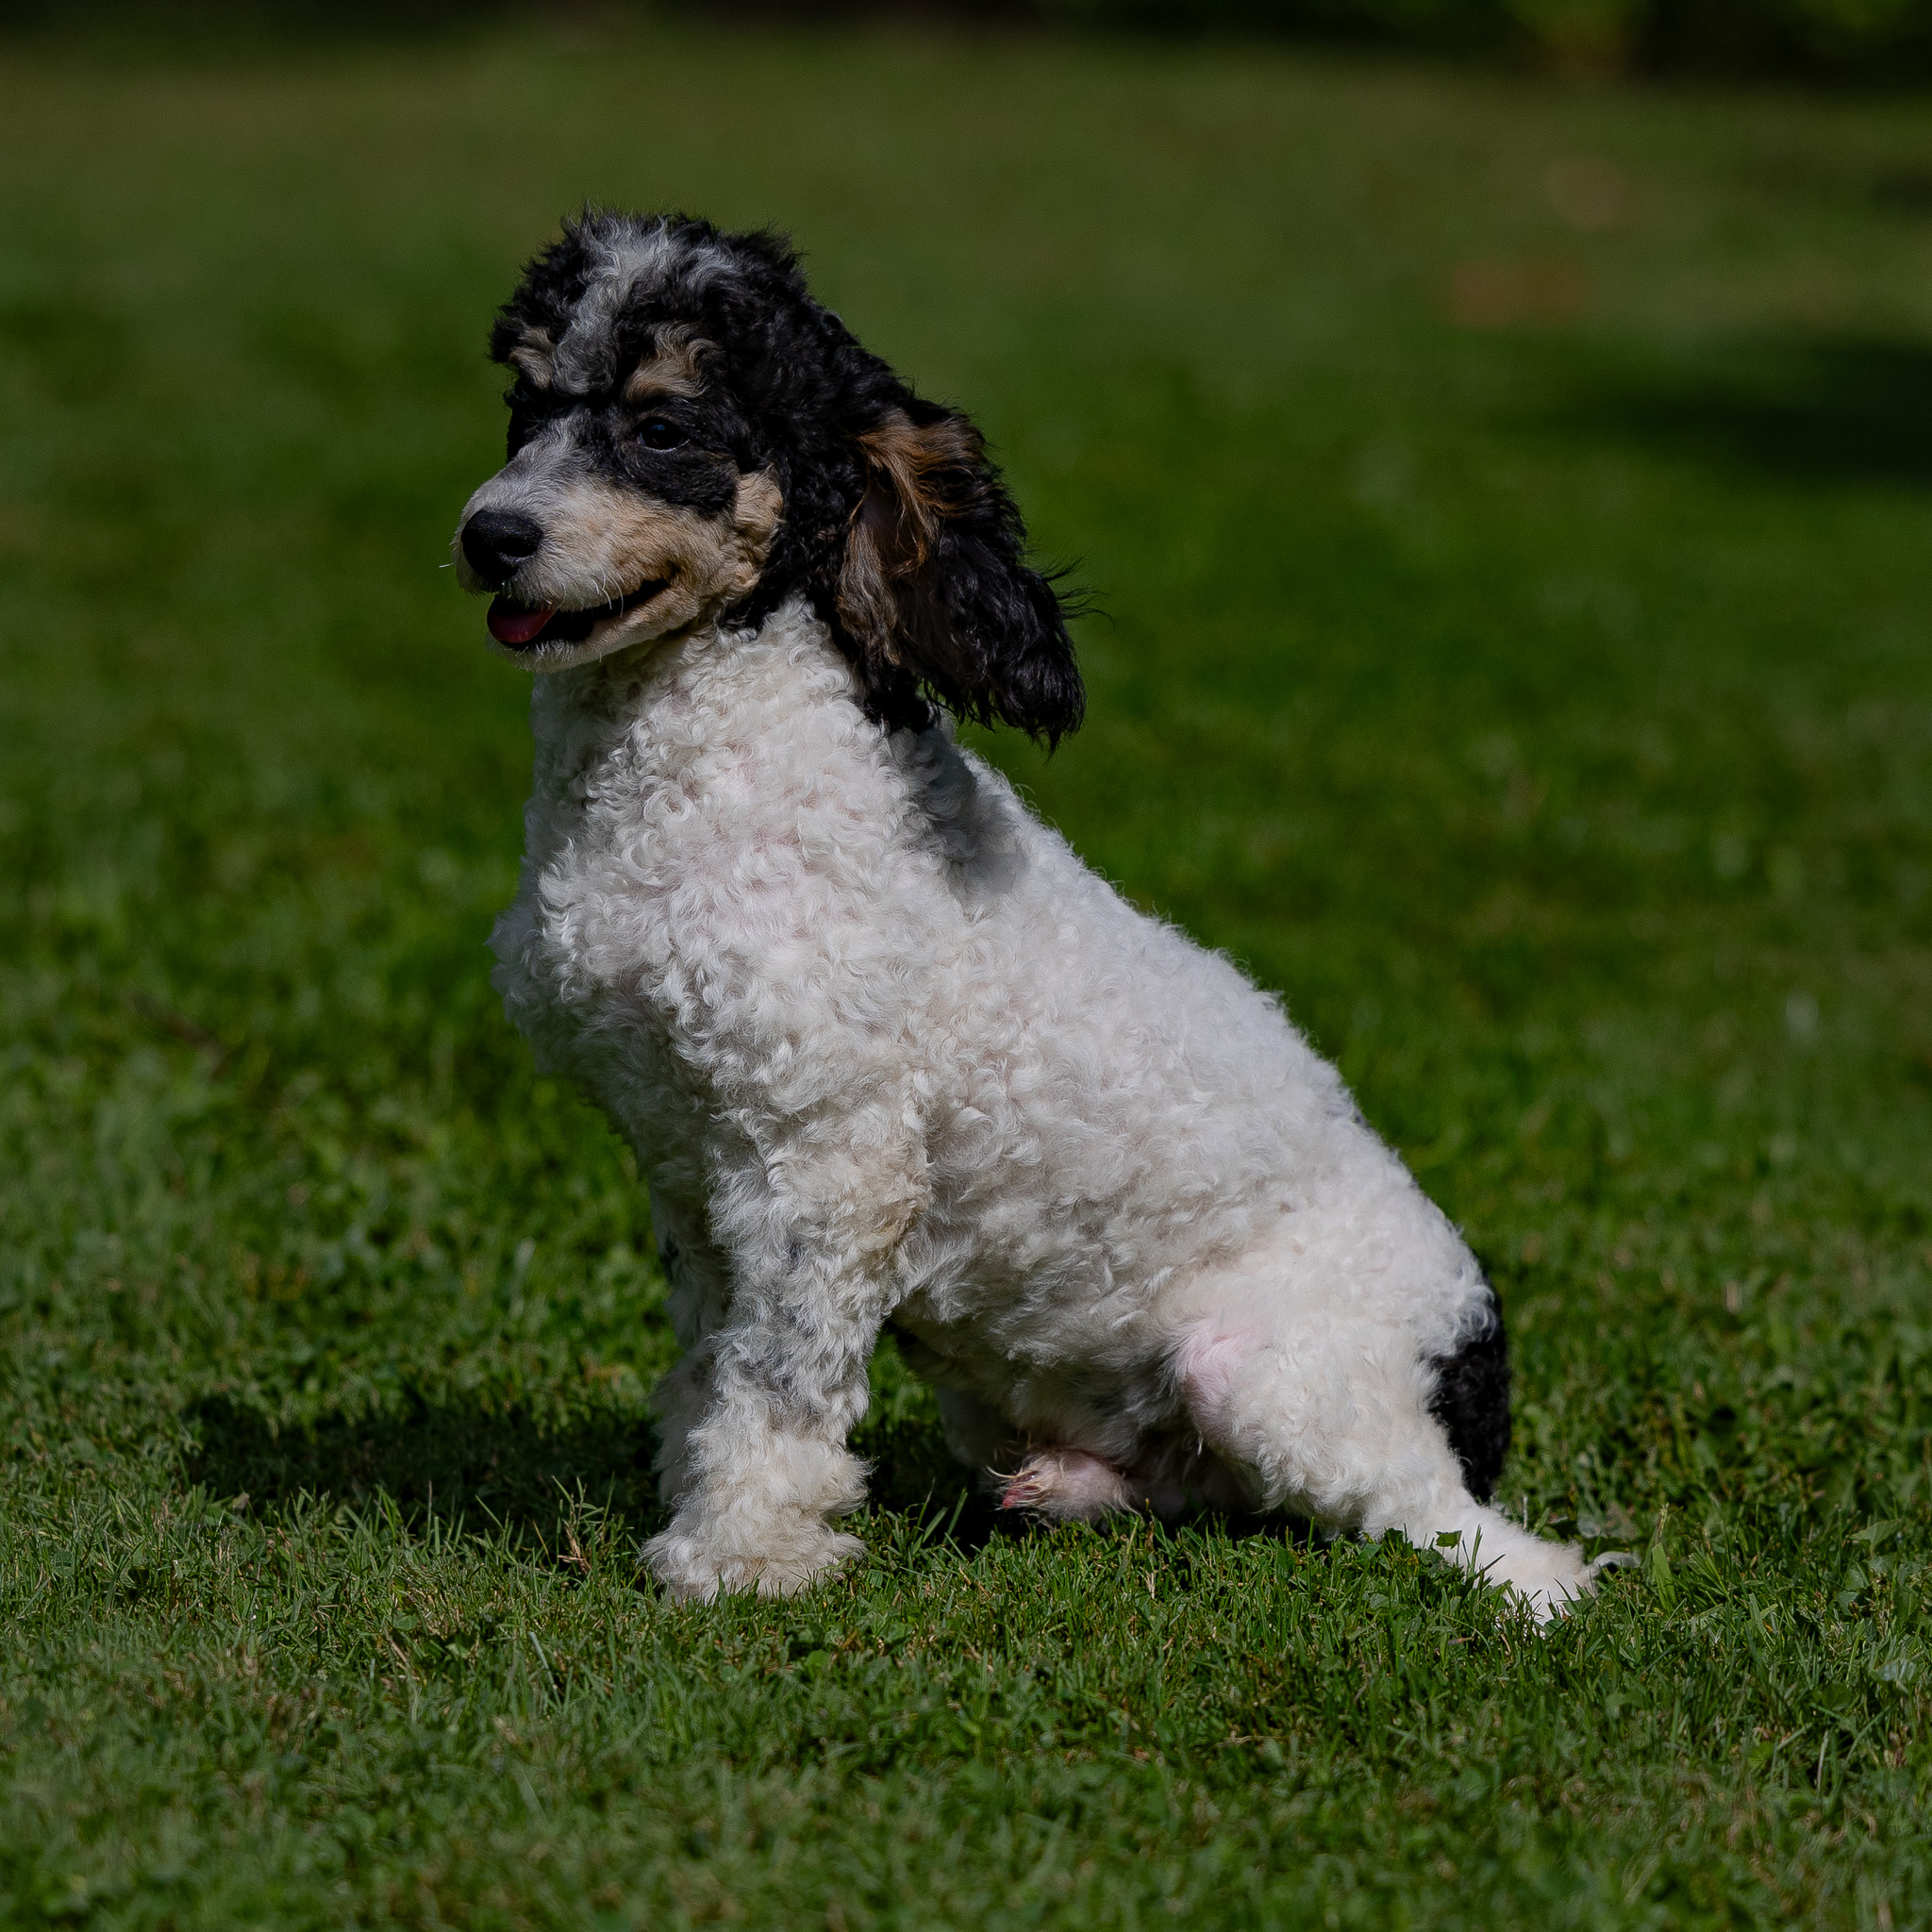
[514, 624]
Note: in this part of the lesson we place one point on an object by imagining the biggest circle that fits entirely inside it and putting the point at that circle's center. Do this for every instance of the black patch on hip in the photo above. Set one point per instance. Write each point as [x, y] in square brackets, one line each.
[1472, 1402]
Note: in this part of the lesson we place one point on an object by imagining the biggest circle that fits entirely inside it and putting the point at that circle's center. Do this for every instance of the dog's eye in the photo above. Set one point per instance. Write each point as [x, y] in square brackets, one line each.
[659, 434]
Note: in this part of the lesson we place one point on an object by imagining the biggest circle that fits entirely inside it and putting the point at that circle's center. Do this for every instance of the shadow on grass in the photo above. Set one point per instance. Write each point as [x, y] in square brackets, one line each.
[439, 1452]
[461, 1455]
[1832, 409]
[458, 1455]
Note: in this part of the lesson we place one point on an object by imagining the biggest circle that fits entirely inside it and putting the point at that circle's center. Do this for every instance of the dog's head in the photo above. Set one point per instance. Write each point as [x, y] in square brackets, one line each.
[692, 437]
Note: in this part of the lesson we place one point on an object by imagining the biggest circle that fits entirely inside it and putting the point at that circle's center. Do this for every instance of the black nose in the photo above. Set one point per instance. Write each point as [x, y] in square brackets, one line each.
[496, 540]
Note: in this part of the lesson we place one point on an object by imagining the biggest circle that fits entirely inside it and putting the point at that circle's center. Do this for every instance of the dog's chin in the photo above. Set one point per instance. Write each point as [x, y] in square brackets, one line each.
[546, 637]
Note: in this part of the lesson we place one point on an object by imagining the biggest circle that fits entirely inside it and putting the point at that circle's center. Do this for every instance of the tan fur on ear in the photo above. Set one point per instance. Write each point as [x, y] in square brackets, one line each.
[532, 355]
[895, 527]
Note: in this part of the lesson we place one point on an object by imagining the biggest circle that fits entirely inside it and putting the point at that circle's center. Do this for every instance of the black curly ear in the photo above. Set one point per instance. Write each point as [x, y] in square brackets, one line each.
[934, 591]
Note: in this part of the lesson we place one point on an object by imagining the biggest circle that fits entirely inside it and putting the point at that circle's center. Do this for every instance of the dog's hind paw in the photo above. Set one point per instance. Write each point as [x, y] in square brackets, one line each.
[694, 1570]
[1067, 1485]
[1547, 1580]
[1552, 1579]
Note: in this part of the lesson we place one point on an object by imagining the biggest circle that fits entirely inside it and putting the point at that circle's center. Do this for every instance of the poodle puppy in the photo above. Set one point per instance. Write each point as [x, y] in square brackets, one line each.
[888, 1054]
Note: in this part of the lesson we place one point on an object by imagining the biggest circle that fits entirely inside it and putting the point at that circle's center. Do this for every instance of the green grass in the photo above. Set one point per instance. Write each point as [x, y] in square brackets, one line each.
[1546, 706]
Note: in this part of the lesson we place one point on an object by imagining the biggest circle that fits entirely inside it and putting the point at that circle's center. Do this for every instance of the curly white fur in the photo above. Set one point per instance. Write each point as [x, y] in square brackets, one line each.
[887, 1050]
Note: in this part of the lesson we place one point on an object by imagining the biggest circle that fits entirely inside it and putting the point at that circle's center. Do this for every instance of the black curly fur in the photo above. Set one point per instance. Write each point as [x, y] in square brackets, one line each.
[1472, 1402]
[787, 389]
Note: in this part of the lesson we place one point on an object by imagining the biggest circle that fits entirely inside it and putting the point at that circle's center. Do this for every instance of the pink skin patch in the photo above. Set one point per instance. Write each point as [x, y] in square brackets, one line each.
[1068, 1484]
[1206, 1362]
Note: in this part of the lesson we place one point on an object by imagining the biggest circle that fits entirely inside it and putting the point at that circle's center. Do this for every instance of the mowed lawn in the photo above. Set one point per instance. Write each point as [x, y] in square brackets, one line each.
[1508, 511]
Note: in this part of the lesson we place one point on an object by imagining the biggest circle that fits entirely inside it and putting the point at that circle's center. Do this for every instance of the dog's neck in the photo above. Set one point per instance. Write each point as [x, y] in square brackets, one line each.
[717, 712]
[717, 668]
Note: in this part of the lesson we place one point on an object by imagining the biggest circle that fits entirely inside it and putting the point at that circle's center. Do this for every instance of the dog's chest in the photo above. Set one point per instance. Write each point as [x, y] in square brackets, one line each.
[603, 859]
[694, 832]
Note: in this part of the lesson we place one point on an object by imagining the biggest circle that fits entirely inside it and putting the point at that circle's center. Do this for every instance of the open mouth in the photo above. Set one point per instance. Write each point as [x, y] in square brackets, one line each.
[522, 624]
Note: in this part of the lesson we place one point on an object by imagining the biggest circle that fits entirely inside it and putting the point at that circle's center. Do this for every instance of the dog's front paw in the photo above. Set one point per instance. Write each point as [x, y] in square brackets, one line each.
[788, 1575]
[694, 1568]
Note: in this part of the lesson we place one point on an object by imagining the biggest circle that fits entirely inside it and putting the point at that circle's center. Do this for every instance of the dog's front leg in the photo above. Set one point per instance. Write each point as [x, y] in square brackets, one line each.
[700, 1283]
[765, 1469]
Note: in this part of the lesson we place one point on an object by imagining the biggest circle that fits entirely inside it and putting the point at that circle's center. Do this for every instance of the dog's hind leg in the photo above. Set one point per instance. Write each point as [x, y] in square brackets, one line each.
[1339, 1422]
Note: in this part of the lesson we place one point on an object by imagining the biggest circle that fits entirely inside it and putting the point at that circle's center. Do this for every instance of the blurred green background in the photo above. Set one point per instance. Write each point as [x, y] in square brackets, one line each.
[1506, 500]
[1830, 43]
